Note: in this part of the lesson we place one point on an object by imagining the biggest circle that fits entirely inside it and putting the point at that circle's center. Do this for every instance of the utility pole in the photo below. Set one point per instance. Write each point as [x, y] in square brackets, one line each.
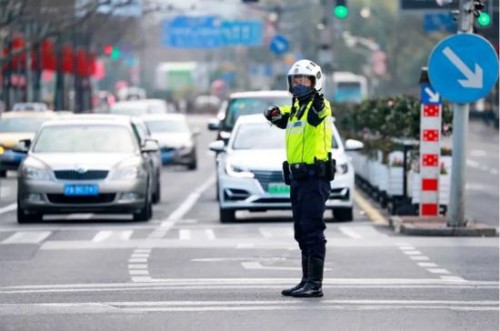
[460, 129]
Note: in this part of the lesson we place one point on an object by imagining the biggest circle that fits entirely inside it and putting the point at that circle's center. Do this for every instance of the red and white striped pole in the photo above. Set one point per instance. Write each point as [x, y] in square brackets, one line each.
[430, 147]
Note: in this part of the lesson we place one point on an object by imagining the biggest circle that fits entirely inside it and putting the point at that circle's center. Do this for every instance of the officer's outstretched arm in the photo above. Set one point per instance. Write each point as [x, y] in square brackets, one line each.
[320, 109]
[277, 116]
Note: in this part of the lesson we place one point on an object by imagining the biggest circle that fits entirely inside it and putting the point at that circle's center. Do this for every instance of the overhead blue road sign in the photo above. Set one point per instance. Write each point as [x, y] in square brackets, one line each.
[429, 95]
[439, 22]
[210, 32]
[463, 68]
[279, 45]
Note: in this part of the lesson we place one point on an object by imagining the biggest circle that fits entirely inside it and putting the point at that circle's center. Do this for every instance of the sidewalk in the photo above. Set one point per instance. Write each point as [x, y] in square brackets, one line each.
[437, 226]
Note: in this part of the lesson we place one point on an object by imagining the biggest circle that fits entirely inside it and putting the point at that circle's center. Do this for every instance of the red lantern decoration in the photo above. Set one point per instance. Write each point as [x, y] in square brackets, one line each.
[49, 61]
[67, 62]
[5, 53]
[92, 66]
[81, 62]
[18, 61]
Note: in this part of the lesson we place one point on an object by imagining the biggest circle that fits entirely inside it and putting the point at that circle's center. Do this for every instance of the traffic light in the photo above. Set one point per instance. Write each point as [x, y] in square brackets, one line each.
[482, 12]
[340, 10]
[112, 51]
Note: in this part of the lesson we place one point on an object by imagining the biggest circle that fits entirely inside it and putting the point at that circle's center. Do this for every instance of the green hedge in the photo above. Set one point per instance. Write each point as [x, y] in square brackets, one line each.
[377, 121]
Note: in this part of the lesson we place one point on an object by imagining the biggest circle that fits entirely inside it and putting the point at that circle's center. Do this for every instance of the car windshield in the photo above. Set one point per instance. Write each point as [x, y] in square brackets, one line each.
[250, 106]
[85, 139]
[262, 136]
[21, 124]
[167, 126]
[258, 136]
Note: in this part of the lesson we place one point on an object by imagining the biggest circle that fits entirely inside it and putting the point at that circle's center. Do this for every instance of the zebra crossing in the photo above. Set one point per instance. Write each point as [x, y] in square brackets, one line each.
[186, 233]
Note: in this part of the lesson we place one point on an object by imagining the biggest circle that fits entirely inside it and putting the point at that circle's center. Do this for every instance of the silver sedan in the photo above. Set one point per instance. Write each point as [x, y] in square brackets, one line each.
[81, 166]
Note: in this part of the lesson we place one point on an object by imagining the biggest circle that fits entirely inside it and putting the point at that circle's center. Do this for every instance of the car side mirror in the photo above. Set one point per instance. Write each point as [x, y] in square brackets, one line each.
[150, 146]
[214, 124]
[217, 146]
[22, 146]
[353, 145]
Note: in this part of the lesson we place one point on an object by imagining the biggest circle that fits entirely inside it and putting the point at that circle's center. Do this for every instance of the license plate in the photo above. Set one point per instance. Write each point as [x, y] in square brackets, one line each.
[81, 189]
[278, 188]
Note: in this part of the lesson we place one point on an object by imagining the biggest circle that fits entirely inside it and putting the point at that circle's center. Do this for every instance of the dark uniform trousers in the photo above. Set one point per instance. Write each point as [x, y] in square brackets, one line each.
[308, 197]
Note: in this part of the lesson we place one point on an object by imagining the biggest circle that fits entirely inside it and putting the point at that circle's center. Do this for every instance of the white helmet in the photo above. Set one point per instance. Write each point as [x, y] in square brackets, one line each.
[306, 68]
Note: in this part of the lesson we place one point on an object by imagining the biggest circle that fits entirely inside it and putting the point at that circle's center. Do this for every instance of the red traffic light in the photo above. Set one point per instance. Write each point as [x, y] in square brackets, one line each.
[108, 49]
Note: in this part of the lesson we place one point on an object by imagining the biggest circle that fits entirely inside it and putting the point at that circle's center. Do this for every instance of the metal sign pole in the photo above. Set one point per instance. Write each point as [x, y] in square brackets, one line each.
[460, 129]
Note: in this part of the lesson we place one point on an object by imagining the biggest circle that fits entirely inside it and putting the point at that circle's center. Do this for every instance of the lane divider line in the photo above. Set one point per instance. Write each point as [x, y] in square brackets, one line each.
[375, 216]
[431, 267]
[138, 262]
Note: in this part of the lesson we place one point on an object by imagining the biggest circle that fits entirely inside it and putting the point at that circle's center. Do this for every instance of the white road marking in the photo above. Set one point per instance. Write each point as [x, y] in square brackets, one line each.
[350, 233]
[138, 272]
[125, 235]
[210, 234]
[140, 279]
[101, 236]
[257, 266]
[137, 266]
[8, 208]
[452, 278]
[407, 248]
[184, 234]
[419, 258]
[241, 305]
[139, 255]
[427, 265]
[478, 153]
[438, 271]
[412, 253]
[28, 237]
[472, 163]
[142, 250]
[141, 260]
[245, 245]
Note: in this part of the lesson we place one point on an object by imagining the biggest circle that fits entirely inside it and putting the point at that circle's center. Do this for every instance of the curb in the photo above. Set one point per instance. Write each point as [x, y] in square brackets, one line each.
[437, 226]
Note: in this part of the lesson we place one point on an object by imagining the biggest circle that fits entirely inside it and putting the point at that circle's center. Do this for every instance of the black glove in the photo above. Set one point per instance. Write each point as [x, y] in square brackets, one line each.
[318, 102]
[272, 113]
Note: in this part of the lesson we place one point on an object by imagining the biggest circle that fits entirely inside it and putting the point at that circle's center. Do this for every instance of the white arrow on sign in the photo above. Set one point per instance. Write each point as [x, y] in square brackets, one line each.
[433, 96]
[474, 79]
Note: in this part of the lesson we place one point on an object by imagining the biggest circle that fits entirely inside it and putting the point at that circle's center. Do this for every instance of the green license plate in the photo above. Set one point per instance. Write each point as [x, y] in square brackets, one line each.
[278, 188]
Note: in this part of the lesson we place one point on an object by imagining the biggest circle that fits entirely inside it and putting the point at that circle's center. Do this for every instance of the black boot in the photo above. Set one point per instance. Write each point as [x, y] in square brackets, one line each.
[289, 291]
[312, 287]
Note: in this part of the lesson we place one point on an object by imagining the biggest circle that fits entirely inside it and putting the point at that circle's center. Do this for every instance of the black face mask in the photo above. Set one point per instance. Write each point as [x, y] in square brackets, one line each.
[301, 92]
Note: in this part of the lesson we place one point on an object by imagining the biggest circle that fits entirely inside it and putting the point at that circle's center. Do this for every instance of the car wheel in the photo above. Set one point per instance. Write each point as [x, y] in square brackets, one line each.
[227, 215]
[25, 218]
[342, 214]
[3, 173]
[145, 213]
[193, 165]
[217, 194]
[157, 194]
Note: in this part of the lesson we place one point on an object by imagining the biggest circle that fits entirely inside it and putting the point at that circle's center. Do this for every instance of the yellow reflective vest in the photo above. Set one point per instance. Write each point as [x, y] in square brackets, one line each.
[305, 142]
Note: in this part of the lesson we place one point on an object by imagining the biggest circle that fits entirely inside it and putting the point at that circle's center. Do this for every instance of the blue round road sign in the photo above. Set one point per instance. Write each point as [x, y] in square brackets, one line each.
[463, 68]
[279, 45]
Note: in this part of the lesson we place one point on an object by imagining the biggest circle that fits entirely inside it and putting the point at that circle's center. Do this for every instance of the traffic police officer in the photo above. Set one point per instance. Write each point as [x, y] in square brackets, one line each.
[309, 168]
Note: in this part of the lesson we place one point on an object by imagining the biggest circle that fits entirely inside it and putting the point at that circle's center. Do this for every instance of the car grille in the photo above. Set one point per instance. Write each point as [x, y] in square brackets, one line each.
[75, 175]
[80, 200]
[266, 177]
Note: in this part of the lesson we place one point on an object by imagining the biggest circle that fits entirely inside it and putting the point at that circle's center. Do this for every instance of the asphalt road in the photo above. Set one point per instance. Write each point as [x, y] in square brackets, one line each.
[185, 271]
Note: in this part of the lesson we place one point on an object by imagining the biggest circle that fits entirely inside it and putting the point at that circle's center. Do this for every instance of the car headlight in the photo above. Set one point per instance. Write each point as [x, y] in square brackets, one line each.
[235, 171]
[342, 168]
[33, 173]
[133, 172]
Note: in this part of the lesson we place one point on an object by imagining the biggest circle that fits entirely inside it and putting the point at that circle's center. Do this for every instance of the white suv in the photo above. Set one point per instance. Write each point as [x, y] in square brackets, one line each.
[249, 171]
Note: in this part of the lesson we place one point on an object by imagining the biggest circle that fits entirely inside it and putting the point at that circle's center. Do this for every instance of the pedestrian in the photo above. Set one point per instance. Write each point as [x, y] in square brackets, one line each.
[309, 168]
